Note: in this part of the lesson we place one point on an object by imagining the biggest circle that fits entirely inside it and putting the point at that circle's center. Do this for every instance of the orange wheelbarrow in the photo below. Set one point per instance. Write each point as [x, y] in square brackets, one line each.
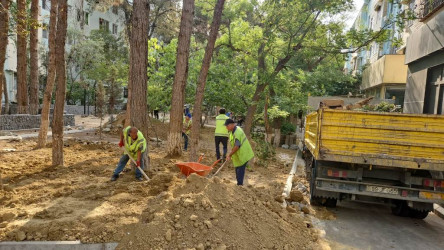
[188, 168]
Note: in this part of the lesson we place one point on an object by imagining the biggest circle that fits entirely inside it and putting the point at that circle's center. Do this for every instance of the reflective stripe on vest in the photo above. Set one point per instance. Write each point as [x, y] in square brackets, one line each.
[221, 129]
[245, 152]
[133, 147]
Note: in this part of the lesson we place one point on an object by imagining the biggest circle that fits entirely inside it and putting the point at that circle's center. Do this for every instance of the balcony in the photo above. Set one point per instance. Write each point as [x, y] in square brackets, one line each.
[429, 7]
[389, 69]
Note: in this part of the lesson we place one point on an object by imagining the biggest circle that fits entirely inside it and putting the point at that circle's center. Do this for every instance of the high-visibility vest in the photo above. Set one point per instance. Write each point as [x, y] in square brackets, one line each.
[221, 129]
[245, 152]
[187, 125]
[133, 147]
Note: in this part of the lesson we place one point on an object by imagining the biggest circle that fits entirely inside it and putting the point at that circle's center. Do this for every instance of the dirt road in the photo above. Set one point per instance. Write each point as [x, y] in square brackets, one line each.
[372, 226]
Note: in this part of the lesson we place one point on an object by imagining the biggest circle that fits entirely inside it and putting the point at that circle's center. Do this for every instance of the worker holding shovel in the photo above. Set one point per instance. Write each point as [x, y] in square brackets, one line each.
[135, 145]
[241, 151]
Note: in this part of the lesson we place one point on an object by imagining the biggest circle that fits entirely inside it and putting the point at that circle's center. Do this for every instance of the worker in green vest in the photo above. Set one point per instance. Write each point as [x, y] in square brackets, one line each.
[241, 151]
[221, 134]
[186, 129]
[135, 144]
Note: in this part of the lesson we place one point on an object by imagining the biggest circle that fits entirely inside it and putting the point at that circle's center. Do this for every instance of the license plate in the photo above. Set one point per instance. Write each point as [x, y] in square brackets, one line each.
[384, 190]
[431, 196]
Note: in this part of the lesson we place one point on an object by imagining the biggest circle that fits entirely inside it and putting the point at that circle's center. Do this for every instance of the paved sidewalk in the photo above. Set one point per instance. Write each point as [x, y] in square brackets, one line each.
[439, 210]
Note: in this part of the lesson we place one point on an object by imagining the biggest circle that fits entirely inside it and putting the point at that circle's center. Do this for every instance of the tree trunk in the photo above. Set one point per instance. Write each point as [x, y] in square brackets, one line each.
[22, 88]
[34, 60]
[262, 70]
[50, 79]
[268, 130]
[138, 67]
[252, 108]
[197, 112]
[277, 124]
[4, 27]
[180, 78]
[277, 137]
[57, 123]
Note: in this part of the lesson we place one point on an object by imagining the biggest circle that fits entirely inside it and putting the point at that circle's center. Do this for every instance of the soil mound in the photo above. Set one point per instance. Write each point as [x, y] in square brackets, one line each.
[206, 213]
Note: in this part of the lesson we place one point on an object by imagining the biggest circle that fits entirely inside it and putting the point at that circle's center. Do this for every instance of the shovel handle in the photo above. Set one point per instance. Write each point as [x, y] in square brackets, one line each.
[140, 169]
[219, 169]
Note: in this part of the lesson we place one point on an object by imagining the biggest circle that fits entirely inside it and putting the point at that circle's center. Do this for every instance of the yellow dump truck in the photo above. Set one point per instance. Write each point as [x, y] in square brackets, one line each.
[392, 158]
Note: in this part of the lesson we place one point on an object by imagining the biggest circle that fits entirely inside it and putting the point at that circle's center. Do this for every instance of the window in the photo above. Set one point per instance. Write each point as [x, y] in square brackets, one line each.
[125, 92]
[86, 18]
[115, 10]
[104, 25]
[115, 29]
[45, 30]
[434, 95]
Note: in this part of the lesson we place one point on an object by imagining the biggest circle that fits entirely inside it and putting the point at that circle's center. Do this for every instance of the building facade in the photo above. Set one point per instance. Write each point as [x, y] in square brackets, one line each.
[425, 59]
[381, 64]
[81, 17]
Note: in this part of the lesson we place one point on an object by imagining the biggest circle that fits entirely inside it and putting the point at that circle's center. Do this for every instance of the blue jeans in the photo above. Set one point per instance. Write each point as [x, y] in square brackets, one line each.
[218, 140]
[185, 136]
[240, 174]
[122, 163]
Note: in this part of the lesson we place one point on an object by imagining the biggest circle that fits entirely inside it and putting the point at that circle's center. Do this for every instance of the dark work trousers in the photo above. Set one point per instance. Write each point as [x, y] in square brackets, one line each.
[122, 163]
[224, 141]
[185, 137]
[240, 174]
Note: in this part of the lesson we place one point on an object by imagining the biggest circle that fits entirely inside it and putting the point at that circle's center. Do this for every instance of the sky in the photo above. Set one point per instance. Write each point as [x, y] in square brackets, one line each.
[351, 17]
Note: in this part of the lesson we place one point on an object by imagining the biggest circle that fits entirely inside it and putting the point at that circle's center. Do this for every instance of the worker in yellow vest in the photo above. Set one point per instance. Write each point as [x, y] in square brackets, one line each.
[186, 129]
[135, 144]
[241, 151]
[221, 134]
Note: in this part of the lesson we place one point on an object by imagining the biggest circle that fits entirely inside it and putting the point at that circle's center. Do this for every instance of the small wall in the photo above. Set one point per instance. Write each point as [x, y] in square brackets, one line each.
[16, 122]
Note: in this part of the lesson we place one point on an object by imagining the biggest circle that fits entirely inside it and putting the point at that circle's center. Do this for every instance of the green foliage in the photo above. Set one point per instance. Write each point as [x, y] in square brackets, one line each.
[263, 150]
[287, 128]
[161, 70]
[328, 79]
[276, 113]
[101, 57]
[382, 107]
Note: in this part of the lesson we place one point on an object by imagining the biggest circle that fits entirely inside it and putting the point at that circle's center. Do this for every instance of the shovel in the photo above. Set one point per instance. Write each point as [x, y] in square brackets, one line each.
[219, 168]
[141, 170]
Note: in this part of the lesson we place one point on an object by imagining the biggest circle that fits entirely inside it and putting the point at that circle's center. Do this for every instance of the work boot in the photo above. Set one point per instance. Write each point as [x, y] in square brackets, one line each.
[114, 177]
[139, 178]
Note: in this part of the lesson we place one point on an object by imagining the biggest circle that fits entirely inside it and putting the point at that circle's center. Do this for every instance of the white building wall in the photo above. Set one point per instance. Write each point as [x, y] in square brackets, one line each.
[94, 16]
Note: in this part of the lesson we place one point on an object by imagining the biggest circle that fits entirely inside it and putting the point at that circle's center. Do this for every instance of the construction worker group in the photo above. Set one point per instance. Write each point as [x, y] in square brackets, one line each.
[226, 131]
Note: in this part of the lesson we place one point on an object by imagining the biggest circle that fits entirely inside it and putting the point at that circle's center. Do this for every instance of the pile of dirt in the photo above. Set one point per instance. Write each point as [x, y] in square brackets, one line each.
[77, 201]
[213, 213]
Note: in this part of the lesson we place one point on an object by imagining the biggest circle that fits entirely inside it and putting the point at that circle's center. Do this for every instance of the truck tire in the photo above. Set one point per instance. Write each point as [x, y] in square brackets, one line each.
[400, 208]
[330, 202]
[418, 214]
[314, 200]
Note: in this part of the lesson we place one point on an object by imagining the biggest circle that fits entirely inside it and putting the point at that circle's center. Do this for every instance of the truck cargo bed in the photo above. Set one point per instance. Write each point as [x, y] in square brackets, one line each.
[383, 139]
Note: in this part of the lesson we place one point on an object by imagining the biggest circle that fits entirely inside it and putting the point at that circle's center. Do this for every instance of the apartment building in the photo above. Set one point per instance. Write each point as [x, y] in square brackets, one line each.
[381, 64]
[81, 16]
[425, 59]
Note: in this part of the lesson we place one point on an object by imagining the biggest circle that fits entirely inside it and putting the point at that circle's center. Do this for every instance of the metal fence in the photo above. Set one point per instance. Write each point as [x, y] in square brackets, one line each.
[428, 7]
